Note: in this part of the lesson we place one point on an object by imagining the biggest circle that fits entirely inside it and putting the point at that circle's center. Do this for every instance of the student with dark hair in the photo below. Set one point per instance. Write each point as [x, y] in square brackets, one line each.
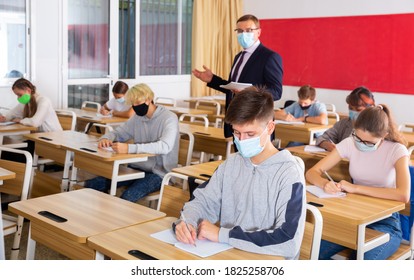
[378, 165]
[358, 100]
[116, 106]
[306, 109]
[257, 194]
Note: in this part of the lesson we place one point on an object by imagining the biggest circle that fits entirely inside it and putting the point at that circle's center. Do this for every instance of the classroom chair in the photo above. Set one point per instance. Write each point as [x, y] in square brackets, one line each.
[406, 127]
[67, 119]
[333, 117]
[194, 119]
[213, 106]
[97, 129]
[184, 159]
[311, 242]
[330, 107]
[91, 106]
[166, 101]
[18, 187]
[172, 198]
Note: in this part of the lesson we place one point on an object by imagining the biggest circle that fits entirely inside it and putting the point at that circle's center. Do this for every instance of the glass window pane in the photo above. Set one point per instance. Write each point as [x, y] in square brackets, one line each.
[186, 36]
[79, 93]
[88, 39]
[158, 37]
[12, 38]
[127, 39]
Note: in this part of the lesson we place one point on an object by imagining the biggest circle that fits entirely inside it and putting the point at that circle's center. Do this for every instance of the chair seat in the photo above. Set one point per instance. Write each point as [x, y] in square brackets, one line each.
[403, 252]
[9, 227]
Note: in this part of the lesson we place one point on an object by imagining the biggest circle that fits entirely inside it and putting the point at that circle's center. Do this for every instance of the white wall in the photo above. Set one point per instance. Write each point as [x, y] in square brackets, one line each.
[401, 104]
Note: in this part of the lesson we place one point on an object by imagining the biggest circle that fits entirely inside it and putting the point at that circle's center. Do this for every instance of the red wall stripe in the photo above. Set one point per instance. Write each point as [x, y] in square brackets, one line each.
[345, 52]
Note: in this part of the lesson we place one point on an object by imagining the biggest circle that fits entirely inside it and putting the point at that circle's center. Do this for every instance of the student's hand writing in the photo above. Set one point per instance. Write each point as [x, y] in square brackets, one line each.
[105, 143]
[205, 76]
[16, 120]
[347, 186]
[104, 112]
[332, 187]
[290, 118]
[120, 148]
[2, 118]
[183, 235]
[207, 230]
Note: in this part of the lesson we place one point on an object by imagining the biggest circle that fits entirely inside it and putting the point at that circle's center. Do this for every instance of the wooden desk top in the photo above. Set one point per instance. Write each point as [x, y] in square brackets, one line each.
[88, 212]
[91, 116]
[61, 138]
[116, 244]
[355, 209]
[184, 110]
[205, 132]
[16, 128]
[303, 127]
[197, 169]
[6, 174]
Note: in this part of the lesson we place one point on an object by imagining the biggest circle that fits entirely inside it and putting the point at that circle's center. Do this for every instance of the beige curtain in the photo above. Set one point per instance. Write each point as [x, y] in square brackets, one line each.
[214, 43]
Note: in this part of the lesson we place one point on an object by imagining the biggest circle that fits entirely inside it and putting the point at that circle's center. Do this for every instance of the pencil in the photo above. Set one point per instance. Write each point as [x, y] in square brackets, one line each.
[329, 177]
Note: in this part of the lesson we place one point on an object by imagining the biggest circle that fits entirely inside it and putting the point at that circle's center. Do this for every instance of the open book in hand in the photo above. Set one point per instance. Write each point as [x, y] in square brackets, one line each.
[318, 192]
[203, 248]
[236, 86]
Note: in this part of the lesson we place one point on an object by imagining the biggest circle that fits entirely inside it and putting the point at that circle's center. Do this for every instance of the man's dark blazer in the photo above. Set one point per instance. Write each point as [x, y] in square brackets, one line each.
[264, 68]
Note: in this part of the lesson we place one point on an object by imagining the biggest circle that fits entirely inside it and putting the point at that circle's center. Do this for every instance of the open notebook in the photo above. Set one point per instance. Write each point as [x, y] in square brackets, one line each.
[203, 249]
[7, 123]
[318, 192]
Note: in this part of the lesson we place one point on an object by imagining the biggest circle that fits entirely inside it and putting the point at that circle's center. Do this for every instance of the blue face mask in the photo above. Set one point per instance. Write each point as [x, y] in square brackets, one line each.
[120, 100]
[364, 148]
[245, 39]
[353, 115]
[249, 147]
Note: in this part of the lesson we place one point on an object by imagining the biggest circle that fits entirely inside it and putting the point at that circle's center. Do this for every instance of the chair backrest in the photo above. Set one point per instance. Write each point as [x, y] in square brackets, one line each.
[67, 119]
[98, 129]
[18, 186]
[213, 106]
[333, 117]
[166, 101]
[309, 249]
[194, 119]
[91, 106]
[185, 148]
[172, 199]
[330, 107]
[288, 103]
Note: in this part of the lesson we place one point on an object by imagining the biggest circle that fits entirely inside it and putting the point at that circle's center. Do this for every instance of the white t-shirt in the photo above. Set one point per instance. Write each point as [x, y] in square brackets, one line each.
[112, 104]
[376, 168]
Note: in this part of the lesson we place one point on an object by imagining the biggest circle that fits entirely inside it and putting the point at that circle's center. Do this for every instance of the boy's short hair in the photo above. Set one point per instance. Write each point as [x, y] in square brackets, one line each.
[249, 105]
[139, 93]
[307, 92]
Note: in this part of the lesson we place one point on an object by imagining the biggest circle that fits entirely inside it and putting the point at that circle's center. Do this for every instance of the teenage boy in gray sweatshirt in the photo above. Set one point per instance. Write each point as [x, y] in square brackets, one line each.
[154, 130]
[257, 194]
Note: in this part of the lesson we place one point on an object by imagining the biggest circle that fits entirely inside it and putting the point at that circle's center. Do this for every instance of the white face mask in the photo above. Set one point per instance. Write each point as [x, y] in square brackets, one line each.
[120, 100]
[250, 147]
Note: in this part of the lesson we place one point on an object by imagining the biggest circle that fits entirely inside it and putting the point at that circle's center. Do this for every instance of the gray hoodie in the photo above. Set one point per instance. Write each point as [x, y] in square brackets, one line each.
[261, 208]
[158, 135]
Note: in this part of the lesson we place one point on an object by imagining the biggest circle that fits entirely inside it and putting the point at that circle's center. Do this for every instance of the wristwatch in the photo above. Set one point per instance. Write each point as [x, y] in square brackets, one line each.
[306, 118]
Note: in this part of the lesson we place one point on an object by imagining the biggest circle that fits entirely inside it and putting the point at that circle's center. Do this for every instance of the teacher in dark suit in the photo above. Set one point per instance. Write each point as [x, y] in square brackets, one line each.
[256, 64]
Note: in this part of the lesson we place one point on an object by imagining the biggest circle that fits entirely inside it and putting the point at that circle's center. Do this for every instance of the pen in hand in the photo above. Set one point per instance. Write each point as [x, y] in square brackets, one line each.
[330, 178]
[186, 224]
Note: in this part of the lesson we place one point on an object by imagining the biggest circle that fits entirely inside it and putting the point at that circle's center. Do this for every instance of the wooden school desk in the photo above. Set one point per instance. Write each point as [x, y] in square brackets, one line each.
[409, 136]
[104, 163]
[304, 133]
[339, 172]
[183, 110]
[4, 175]
[199, 170]
[116, 244]
[53, 145]
[83, 117]
[83, 213]
[345, 220]
[209, 139]
[12, 130]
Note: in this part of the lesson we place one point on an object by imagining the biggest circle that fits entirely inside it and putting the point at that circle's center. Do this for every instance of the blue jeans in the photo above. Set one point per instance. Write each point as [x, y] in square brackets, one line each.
[136, 190]
[389, 225]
